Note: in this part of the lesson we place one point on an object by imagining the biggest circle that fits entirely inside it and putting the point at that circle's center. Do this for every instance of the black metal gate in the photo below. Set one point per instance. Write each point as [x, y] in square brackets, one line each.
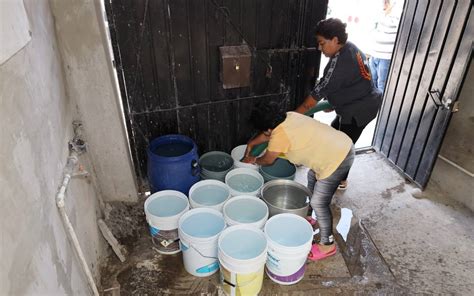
[167, 58]
[434, 47]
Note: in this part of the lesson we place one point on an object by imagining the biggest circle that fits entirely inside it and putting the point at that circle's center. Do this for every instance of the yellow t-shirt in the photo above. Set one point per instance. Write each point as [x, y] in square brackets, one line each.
[311, 143]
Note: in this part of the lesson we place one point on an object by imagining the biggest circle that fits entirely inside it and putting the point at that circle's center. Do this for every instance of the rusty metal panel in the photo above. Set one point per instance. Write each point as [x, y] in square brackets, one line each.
[235, 66]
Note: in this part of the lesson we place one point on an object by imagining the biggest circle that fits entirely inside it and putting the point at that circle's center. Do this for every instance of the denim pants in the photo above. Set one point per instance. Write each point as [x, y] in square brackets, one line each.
[379, 71]
[323, 191]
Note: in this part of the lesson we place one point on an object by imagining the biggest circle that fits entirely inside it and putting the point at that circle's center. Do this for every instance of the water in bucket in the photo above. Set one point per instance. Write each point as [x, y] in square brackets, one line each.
[244, 183]
[246, 210]
[173, 149]
[242, 255]
[209, 195]
[166, 206]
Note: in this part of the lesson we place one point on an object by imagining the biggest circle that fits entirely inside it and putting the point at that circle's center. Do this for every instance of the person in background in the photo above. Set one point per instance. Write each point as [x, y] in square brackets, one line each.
[329, 153]
[346, 84]
[384, 41]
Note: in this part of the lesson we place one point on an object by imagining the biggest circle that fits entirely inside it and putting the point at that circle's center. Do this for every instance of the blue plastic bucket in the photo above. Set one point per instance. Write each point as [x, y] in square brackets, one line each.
[172, 163]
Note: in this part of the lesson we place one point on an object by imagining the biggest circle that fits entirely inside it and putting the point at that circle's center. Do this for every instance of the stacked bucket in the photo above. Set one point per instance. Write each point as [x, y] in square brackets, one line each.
[227, 227]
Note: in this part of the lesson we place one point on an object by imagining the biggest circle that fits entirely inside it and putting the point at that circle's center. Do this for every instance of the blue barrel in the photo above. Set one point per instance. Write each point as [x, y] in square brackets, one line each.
[172, 163]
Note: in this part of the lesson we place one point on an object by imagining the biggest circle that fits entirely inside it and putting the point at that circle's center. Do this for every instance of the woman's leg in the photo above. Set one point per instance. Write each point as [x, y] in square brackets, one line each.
[311, 180]
[323, 192]
[353, 131]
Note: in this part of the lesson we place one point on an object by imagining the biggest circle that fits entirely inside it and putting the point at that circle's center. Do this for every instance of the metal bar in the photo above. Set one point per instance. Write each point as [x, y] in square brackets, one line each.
[209, 103]
[470, 174]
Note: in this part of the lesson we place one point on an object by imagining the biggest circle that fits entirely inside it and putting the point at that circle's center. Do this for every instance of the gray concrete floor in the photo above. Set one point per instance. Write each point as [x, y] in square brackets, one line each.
[392, 239]
[425, 238]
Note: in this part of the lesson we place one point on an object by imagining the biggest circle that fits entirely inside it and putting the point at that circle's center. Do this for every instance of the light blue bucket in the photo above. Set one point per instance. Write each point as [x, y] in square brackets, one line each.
[198, 232]
[245, 209]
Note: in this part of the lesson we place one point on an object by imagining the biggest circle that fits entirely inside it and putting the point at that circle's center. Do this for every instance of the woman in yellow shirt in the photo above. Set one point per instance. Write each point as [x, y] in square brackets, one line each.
[305, 141]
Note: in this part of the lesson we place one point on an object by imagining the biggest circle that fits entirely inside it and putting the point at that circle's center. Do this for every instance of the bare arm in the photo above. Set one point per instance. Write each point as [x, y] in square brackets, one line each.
[259, 139]
[307, 104]
[268, 158]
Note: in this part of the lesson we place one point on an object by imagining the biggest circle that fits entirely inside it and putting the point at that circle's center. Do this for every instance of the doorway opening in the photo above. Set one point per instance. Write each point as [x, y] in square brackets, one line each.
[362, 18]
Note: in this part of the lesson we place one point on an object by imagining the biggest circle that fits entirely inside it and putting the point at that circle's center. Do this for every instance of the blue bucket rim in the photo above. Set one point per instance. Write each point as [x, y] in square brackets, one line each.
[170, 136]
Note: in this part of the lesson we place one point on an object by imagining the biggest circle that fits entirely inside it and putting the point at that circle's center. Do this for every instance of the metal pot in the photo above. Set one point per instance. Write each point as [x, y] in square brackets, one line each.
[286, 196]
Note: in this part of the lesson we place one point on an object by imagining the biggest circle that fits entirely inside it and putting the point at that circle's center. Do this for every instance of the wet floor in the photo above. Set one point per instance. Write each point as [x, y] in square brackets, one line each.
[357, 267]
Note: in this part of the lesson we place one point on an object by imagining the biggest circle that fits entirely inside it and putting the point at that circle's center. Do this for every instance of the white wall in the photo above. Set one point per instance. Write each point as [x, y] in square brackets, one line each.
[36, 111]
[82, 43]
[456, 180]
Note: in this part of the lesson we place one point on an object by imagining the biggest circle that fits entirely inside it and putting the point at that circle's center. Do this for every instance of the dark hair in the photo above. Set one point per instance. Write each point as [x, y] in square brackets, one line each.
[266, 116]
[332, 27]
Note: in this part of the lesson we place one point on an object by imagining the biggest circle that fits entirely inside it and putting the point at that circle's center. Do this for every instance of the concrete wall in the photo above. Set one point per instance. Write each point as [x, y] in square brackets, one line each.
[458, 148]
[90, 84]
[36, 113]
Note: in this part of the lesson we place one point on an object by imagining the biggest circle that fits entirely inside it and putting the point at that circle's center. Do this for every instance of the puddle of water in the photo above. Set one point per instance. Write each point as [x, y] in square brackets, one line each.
[344, 224]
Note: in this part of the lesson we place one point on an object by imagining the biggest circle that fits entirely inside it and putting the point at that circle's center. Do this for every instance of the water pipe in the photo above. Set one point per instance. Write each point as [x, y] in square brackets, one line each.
[321, 105]
[69, 173]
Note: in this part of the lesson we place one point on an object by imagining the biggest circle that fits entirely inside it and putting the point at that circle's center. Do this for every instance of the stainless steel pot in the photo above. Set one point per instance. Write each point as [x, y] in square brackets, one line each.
[286, 196]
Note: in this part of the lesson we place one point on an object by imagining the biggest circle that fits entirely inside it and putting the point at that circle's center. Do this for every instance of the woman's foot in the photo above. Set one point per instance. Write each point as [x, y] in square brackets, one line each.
[342, 185]
[319, 252]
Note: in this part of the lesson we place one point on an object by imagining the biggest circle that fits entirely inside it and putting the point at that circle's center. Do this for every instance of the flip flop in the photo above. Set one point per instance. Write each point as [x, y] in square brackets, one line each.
[311, 220]
[342, 186]
[316, 253]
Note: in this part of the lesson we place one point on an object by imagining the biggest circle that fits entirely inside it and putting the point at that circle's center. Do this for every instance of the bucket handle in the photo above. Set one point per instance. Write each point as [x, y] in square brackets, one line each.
[241, 285]
[199, 252]
[195, 167]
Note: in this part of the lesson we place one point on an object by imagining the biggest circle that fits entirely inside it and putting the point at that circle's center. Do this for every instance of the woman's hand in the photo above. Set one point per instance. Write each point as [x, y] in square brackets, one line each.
[249, 159]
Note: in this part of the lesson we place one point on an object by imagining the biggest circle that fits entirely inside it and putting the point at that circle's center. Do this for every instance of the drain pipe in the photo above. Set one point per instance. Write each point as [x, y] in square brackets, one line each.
[76, 146]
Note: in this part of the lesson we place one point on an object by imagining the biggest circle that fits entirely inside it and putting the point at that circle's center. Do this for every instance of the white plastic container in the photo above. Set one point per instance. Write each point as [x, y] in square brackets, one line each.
[289, 242]
[237, 154]
[162, 211]
[198, 231]
[244, 181]
[246, 209]
[209, 194]
[242, 252]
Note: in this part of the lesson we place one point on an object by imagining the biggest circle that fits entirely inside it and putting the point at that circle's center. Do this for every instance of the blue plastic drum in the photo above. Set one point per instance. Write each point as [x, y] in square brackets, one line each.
[172, 163]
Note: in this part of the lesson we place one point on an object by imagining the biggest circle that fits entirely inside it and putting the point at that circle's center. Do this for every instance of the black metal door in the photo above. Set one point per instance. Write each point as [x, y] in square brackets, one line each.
[167, 58]
[433, 50]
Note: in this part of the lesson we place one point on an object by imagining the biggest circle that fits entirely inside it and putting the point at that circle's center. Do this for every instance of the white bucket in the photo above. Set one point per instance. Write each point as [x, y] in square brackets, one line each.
[244, 181]
[237, 154]
[242, 255]
[198, 231]
[289, 242]
[209, 194]
[162, 211]
[245, 209]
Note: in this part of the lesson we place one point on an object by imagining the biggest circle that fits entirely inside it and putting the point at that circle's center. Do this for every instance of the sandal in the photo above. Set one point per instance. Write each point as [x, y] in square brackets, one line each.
[342, 186]
[311, 220]
[315, 254]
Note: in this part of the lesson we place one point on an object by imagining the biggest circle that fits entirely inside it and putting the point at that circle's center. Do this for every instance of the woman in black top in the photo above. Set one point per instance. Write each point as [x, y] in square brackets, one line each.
[346, 82]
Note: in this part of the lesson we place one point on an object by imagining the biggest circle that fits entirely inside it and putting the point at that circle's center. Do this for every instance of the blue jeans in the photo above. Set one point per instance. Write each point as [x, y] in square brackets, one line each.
[379, 71]
[323, 191]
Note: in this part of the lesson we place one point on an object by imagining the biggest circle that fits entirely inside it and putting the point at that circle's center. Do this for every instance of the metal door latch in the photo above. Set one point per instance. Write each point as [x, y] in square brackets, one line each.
[444, 103]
